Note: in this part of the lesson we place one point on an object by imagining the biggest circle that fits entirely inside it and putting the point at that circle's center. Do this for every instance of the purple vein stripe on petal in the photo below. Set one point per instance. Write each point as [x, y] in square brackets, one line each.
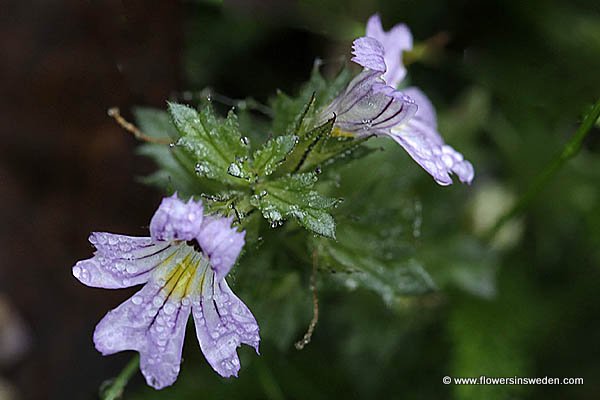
[223, 322]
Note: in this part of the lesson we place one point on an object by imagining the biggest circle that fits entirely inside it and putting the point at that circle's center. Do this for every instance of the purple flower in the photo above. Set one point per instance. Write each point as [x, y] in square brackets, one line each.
[371, 105]
[183, 265]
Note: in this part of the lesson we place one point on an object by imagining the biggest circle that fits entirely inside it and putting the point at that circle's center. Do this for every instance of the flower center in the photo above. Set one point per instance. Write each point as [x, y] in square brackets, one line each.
[186, 276]
[194, 243]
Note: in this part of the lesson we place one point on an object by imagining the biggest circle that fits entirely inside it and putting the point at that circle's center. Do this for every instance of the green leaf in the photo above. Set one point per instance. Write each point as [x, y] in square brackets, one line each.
[216, 144]
[285, 110]
[292, 196]
[272, 154]
[358, 259]
[171, 175]
[175, 166]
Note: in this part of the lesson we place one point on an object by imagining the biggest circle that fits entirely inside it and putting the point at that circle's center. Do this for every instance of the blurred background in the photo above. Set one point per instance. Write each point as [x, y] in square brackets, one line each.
[510, 80]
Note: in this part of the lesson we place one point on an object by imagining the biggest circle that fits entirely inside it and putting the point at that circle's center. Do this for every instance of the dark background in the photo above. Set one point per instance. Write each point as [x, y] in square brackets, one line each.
[67, 169]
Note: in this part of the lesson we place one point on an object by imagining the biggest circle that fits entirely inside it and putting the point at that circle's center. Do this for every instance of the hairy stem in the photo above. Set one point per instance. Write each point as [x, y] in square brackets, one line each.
[131, 128]
[315, 300]
[569, 151]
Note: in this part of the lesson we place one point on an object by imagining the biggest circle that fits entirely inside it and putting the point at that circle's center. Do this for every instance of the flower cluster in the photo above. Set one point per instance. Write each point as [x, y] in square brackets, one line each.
[184, 261]
[183, 265]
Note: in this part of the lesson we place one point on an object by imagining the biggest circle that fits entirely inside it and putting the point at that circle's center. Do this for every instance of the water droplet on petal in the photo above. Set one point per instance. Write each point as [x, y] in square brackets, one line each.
[157, 301]
[169, 308]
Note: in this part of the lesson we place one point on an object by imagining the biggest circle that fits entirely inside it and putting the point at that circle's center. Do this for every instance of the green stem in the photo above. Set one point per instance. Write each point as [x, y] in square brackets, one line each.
[569, 151]
[117, 386]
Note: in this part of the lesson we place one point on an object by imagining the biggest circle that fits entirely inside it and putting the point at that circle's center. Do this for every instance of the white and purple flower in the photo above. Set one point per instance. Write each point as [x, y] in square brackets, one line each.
[182, 265]
[371, 104]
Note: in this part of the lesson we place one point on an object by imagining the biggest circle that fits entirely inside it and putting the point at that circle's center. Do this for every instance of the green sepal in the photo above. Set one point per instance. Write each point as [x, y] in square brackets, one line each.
[332, 149]
[306, 143]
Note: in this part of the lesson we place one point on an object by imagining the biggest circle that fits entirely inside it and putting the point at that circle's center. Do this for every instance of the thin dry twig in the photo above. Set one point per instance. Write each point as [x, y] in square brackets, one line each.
[315, 300]
[131, 128]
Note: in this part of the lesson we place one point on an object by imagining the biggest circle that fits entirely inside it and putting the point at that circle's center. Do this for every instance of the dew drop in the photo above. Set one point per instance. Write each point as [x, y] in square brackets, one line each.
[157, 301]
[351, 284]
[169, 308]
[234, 170]
[448, 161]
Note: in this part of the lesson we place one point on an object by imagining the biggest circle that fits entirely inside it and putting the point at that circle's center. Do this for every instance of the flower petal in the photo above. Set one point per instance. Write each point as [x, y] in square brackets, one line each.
[152, 324]
[176, 220]
[223, 322]
[426, 112]
[394, 43]
[423, 143]
[369, 106]
[221, 243]
[368, 53]
[120, 261]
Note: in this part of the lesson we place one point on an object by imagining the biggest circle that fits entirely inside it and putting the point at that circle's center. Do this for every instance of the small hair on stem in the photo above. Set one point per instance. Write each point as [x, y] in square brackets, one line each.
[315, 300]
[115, 114]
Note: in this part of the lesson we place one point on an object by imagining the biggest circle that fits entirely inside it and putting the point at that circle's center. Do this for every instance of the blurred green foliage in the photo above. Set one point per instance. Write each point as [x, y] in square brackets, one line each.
[411, 291]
